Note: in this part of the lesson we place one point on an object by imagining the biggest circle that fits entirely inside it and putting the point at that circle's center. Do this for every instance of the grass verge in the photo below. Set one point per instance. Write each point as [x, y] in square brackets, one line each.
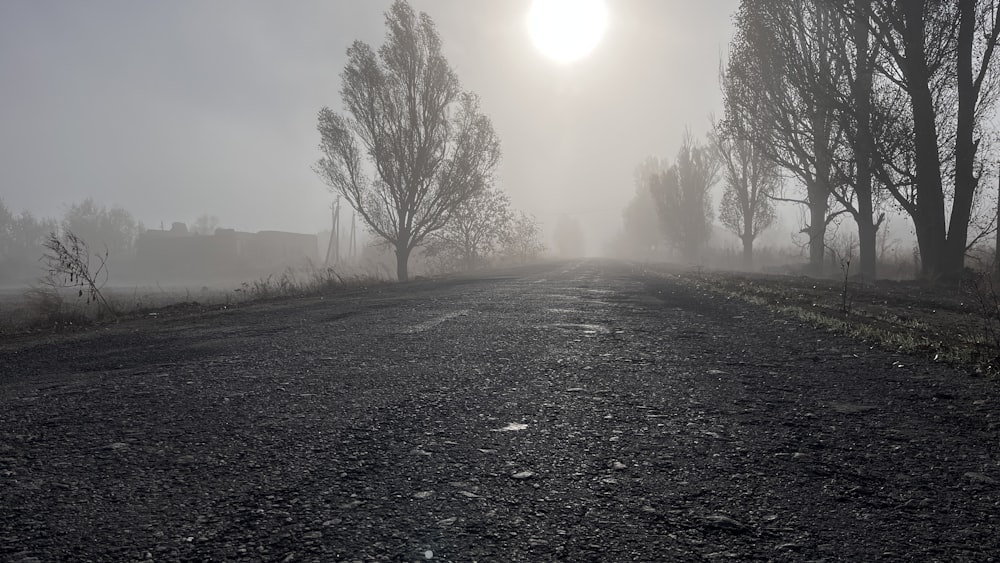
[953, 324]
[43, 308]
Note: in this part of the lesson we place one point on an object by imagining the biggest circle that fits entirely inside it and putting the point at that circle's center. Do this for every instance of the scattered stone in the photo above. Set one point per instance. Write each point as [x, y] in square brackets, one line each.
[486, 451]
[314, 535]
[420, 452]
[723, 522]
[117, 446]
[423, 494]
[575, 390]
[788, 547]
[850, 408]
[512, 427]
[523, 475]
[352, 504]
[980, 478]
[447, 522]
[536, 542]
[469, 494]
[618, 466]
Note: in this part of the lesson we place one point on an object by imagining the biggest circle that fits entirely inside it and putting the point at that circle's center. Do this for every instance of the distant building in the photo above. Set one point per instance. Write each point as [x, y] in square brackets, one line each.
[178, 254]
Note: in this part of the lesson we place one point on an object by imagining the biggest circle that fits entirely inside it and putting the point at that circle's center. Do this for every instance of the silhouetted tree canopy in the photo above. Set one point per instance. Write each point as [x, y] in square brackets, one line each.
[862, 97]
[681, 195]
[642, 226]
[523, 242]
[21, 239]
[781, 64]
[412, 146]
[750, 179]
[475, 231]
[101, 228]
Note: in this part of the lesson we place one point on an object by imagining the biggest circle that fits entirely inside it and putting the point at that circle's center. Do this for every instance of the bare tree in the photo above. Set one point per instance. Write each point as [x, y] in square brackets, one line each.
[99, 226]
[430, 147]
[942, 55]
[681, 195]
[475, 230]
[6, 231]
[523, 241]
[853, 96]
[781, 62]
[70, 265]
[22, 237]
[642, 226]
[750, 180]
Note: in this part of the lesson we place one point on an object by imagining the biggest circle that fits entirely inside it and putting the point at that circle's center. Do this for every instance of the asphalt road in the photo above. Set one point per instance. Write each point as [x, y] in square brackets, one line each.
[583, 411]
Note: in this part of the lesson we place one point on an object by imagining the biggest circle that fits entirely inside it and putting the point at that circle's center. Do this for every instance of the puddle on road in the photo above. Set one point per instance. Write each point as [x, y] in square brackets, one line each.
[512, 427]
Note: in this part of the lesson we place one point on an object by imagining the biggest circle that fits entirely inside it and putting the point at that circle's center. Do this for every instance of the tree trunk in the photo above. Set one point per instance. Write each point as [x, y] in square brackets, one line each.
[402, 261]
[928, 219]
[864, 144]
[867, 242]
[818, 206]
[748, 252]
[747, 237]
[996, 246]
[965, 146]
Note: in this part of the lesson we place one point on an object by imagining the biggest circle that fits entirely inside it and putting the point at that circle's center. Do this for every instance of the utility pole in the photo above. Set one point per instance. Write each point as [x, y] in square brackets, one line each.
[333, 247]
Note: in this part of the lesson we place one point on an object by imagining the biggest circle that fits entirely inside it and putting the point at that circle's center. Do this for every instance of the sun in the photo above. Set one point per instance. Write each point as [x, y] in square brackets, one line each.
[567, 30]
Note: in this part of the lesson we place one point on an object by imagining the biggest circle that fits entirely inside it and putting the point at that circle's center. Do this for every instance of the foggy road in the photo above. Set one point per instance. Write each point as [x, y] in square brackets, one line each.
[574, 410]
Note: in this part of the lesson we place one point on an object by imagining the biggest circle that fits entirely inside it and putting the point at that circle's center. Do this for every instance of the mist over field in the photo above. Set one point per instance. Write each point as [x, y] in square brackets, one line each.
[621, 129]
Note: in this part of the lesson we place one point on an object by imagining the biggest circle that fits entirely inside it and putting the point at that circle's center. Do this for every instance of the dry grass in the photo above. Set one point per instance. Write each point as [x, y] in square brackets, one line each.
[955, 324]
[45, 308]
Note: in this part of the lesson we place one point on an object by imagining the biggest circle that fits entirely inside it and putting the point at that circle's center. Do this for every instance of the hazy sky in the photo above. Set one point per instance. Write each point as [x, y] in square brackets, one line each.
[175, 109]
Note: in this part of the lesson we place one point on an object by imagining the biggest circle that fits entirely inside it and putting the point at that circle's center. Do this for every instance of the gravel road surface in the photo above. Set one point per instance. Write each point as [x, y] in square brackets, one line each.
[582, 411]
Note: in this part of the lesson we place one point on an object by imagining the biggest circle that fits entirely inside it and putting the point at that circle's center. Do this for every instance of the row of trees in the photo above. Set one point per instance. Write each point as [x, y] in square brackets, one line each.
[111, 231]
[673, 202]
[483, 228]
[869, 103]
[863, 104]
[414, 155]
[22, 235]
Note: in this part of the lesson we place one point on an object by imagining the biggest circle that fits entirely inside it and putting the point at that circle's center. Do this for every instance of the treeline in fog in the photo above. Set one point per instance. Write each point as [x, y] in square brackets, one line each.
[855, 110]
